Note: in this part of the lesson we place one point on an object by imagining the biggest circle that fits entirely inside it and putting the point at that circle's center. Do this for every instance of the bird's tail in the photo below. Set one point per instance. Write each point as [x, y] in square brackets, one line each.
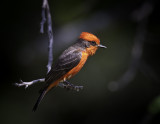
[42, 94]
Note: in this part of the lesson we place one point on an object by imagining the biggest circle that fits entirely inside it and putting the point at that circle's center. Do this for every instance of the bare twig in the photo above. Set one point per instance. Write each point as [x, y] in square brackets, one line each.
[43, 17]
[141, 16]
[45, 9]
[26, 84]
[50, 34]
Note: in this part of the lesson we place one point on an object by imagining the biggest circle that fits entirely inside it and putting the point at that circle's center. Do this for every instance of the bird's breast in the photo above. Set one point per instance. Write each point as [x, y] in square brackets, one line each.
[77, 68]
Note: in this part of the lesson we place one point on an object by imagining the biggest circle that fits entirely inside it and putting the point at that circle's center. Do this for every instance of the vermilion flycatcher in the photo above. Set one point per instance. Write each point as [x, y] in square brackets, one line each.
[70, 62]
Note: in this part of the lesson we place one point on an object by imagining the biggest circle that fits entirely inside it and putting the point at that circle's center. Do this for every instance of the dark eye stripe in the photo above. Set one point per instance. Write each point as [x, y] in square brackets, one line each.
[93, 43]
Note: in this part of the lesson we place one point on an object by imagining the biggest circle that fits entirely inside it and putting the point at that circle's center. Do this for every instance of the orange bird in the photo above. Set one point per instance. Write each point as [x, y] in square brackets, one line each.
[70, 62]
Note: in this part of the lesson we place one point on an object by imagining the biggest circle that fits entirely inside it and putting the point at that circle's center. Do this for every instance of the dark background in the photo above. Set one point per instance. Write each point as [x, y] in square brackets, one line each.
[24, 56]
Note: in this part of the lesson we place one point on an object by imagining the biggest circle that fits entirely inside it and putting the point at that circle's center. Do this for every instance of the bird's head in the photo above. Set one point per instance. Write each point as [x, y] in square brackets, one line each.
[92, 42]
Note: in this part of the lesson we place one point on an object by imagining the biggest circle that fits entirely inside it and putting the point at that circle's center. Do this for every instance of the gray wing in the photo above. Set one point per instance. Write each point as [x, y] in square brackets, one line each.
[67, 61]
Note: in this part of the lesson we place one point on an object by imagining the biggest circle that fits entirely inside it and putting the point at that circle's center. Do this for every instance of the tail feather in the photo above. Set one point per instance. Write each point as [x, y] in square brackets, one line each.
[42, 94]
[39, 100]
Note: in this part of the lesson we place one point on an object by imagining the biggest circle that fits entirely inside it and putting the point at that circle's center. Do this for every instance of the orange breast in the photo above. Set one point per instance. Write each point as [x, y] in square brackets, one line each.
[72, 72]
[76, 69]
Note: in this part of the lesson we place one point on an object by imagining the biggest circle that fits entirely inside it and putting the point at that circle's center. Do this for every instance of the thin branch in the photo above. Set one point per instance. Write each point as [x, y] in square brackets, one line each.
[26, 84]
[45, 9]
[43, 21]
[50, 34]
[141, 16]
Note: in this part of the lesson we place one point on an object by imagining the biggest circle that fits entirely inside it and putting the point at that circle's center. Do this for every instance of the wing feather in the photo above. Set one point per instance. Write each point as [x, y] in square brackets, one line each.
[68, 60]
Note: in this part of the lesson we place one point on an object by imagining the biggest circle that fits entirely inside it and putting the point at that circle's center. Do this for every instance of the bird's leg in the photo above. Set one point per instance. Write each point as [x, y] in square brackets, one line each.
[68, 83]
[70, 86]
[73, 87]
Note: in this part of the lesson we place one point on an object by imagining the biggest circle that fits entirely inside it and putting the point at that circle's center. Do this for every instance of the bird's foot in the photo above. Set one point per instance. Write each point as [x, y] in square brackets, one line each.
[70, 86]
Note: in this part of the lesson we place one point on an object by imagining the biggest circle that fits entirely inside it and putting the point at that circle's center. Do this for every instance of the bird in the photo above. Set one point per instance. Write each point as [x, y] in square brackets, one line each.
[70, 62]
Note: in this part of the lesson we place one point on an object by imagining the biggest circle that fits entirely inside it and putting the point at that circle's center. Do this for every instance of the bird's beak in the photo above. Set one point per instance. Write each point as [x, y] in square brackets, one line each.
[102, 46]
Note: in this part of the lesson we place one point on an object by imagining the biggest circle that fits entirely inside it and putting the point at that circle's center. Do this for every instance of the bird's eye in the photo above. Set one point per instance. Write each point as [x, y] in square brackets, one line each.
[93, 43]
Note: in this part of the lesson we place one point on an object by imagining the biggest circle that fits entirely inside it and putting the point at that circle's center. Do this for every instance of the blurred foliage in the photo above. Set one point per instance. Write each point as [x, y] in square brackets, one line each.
[154, 107]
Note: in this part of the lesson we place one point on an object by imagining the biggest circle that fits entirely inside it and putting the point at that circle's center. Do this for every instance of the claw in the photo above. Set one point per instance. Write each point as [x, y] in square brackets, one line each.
[70, 86]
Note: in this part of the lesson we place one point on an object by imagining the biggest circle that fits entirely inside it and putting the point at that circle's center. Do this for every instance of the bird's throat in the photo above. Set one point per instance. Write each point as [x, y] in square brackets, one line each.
[91, 50]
